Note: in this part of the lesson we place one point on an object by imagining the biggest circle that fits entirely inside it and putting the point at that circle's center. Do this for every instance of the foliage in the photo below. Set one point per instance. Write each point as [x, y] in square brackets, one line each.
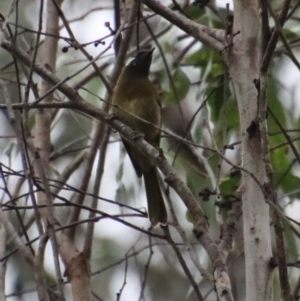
[197, 92]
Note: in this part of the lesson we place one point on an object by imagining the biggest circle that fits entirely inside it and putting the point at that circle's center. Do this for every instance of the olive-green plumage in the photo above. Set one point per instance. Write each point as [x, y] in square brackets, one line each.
[136, 94]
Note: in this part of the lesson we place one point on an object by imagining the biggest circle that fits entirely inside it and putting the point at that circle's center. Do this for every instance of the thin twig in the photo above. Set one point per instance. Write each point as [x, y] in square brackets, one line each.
[207, 35]
[183, 263]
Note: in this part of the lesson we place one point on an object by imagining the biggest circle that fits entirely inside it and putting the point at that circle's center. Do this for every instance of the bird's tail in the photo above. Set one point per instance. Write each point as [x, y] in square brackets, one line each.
[156, 206]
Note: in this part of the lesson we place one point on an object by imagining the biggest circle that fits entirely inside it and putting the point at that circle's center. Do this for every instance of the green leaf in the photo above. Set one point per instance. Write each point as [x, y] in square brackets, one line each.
[199, 58]
[283, 172]
[290, 184]
[195, 12]
[291, 243]
[215, 100]
[229, 185]
[276, 106]
[182, 85]
[289, 34]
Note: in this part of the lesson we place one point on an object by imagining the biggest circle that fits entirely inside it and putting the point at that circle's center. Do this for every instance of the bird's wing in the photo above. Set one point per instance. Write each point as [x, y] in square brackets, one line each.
[135, 164]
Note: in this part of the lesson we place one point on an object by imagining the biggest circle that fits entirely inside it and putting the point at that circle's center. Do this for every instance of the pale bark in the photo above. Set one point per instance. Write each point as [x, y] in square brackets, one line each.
[201, 226]
[244, 61]
[42, 136]
[3, 240]
[76, 268]
[211, 37]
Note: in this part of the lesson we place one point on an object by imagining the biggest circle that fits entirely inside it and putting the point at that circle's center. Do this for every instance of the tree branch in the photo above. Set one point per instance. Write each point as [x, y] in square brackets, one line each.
[211, 37]
[199, 218]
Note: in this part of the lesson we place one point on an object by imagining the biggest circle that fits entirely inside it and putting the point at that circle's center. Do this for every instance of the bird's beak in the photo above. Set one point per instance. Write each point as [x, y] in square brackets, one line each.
[149, 53]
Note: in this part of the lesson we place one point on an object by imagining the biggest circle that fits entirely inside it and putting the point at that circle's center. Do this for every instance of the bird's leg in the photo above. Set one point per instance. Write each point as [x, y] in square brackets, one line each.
[112, 116]
[161, 153]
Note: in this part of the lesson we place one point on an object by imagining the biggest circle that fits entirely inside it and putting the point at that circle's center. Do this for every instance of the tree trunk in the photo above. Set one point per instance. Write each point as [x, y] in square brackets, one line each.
[244, 60]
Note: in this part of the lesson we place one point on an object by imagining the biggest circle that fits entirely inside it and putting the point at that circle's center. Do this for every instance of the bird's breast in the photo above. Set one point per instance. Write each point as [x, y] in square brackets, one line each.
[139, 108]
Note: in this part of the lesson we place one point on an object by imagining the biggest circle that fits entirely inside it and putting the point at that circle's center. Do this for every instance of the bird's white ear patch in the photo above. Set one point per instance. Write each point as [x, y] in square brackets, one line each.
[133, 63]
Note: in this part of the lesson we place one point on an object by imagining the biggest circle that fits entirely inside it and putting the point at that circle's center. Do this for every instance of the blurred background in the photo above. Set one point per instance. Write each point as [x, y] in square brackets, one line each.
[197, 99]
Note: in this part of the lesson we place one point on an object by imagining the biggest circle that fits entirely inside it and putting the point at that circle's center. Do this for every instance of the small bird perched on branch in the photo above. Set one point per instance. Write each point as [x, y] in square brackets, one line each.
[136, 104]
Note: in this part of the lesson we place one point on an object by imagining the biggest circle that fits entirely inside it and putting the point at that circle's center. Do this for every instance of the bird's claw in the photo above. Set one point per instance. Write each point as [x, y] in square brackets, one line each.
[161, 153]
[112, 116]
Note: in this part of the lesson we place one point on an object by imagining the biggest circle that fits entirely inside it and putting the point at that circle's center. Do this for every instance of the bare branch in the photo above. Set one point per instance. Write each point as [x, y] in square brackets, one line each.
[200, 223]
[213, 38]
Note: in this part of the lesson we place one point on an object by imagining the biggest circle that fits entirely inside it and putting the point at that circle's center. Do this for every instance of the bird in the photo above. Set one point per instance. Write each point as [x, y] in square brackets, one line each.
[136, 103]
